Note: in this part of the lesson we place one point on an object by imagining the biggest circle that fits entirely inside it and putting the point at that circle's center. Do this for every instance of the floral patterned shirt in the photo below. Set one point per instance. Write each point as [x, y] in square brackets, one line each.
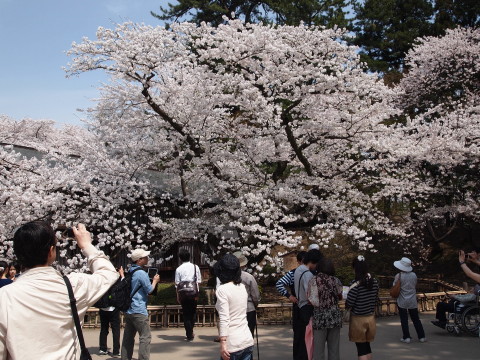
[323, 291]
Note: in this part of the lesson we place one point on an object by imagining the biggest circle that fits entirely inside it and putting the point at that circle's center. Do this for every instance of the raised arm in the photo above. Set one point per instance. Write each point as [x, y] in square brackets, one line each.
[472, 275]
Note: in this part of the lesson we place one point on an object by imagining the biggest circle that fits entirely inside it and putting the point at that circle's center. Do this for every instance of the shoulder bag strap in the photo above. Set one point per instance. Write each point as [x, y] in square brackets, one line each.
[195, 273]
[300, 282]
[76, 319]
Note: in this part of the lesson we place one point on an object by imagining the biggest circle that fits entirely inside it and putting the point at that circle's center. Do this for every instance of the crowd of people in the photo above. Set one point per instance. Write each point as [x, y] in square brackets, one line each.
[41, 297]
[315, 293]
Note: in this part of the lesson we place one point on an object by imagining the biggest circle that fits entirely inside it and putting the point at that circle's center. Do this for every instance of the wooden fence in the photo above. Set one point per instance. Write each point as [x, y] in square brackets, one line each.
[267, 314]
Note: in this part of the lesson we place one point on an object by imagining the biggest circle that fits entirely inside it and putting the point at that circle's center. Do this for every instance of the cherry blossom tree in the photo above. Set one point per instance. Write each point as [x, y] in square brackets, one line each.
[440, 94]
[269, 133]
[71, 178]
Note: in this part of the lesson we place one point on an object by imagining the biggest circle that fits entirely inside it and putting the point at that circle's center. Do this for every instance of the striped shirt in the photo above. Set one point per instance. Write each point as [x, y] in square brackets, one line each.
[283, 282]
[363, 300]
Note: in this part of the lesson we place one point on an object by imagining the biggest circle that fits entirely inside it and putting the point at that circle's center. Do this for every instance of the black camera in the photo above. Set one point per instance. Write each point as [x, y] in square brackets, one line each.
[68, 232]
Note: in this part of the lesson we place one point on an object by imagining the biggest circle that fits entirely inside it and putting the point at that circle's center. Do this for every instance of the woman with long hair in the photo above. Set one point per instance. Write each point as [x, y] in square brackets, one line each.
[236, 341]
[362, 298]
[324, 292]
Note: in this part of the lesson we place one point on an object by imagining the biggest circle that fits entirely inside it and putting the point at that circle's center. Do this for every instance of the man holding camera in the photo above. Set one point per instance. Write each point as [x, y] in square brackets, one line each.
[42, 325]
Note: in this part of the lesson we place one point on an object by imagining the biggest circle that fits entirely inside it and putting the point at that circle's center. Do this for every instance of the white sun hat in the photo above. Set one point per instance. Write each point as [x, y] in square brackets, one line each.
[405, 264]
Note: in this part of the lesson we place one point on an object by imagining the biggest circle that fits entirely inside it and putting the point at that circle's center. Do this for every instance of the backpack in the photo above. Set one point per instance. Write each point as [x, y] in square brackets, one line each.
[120, 294]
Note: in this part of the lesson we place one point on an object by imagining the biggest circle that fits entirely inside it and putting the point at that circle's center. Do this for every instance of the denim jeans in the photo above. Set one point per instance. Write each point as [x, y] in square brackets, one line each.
[415, 319]
[245, 354]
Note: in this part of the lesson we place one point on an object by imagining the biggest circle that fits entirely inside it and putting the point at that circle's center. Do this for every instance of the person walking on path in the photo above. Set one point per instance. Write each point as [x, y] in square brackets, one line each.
[42, 325]
[302, 276]
[236, 341]
[407, 300]
[283, 285]
[252, 290]
[324, 292]
[109, 317]
[188, 272]
[361, 299]
[136, 317]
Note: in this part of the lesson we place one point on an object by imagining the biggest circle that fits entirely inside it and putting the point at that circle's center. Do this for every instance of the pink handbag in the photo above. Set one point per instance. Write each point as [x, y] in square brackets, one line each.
[309, 339]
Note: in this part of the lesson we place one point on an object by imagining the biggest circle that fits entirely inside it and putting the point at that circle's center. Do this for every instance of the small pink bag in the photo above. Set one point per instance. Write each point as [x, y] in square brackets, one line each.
[309, 339]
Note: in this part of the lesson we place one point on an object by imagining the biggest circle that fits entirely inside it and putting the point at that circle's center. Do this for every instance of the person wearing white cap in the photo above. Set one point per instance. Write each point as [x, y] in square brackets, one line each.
[407, 300]
[136, 317]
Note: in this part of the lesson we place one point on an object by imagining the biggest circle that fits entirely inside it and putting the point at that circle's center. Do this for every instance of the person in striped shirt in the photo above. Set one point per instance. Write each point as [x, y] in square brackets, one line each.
[285, 286]
[362, 298]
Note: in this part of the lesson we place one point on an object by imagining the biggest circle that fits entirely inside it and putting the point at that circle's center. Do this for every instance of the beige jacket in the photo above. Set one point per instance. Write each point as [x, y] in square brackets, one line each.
[35, 317]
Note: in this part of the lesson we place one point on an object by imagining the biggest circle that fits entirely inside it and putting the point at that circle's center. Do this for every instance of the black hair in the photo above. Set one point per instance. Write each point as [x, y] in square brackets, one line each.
[301, 255]
[15, 266]
[227, 269]
[326, 266]
[361, 272]
[4, 265]
[184, 255]
[313, 256]
[32, 243]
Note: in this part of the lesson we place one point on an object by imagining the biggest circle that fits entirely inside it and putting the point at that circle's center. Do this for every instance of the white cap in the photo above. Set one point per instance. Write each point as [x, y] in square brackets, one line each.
[313, 247]
[138, 254]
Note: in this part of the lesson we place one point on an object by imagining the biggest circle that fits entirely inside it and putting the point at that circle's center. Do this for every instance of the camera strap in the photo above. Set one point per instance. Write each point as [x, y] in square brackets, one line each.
[73, 305]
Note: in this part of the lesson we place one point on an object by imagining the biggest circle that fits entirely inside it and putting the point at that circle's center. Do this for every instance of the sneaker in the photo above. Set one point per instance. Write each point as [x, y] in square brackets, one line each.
[422, 339]
[440, 324]
[115, 355]
[102, 352]
[406, 341]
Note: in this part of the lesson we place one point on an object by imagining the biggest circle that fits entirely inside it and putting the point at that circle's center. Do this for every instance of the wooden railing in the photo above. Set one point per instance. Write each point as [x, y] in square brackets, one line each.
[267, 314]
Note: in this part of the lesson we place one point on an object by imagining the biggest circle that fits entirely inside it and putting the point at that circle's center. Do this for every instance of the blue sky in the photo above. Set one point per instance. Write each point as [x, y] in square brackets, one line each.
[34, 36]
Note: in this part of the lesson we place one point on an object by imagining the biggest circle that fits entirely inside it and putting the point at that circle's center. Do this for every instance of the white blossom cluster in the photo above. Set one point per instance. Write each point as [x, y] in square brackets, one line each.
[261, 134]
[265, 130]
[70, 178]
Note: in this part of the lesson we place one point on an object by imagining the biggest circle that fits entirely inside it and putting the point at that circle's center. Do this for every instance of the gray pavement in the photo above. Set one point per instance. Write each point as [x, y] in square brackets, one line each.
[275, 343]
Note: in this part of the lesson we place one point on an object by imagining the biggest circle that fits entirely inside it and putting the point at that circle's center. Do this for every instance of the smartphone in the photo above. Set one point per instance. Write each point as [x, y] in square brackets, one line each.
[152, 272]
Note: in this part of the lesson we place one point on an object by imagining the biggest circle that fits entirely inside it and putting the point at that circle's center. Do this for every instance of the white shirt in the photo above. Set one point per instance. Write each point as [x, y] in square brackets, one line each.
[186, 272]
[35, 316]
[232, 309]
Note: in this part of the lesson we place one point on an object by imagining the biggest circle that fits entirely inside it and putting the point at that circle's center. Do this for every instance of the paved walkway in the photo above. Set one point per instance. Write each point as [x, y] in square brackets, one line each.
[275, 343]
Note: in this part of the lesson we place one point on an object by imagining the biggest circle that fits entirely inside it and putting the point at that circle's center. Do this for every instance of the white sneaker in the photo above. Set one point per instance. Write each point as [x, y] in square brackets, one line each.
[422, 339]
[406, 341]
